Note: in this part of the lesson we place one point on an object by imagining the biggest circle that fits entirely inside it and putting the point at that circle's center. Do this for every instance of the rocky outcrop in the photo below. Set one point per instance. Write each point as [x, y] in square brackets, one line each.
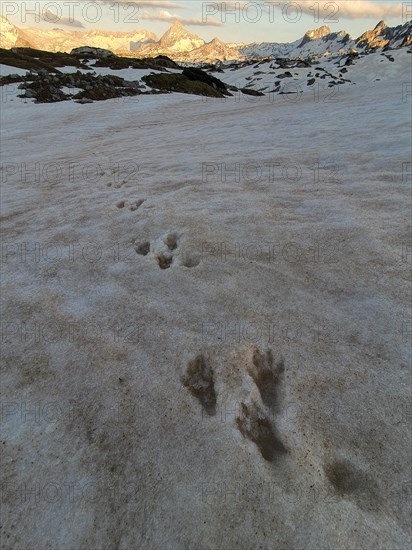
[212, 52]
[47, 88]
[377, 38]
[383, 36]
[191, 81]
[87, 51]
[198, 75]
[315, 34]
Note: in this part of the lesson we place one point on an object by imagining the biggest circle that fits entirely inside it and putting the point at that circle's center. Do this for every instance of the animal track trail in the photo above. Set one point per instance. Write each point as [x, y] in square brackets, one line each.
[252, 421]
[199, 380]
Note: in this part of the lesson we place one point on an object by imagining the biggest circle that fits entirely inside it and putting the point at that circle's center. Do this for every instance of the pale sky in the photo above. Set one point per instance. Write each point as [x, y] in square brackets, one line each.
[231, 21]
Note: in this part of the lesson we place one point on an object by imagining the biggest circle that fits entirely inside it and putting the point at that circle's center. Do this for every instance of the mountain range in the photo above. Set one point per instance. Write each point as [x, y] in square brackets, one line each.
[181, 45]
[55, 40]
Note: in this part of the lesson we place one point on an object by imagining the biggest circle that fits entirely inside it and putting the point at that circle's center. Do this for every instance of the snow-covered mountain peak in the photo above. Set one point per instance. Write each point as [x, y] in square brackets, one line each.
[318, 33]
[178, 38]
[381, 25]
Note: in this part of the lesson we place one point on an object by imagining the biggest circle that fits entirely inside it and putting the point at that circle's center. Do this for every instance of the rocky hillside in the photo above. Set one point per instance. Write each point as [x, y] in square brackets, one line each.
[212, 52]
[382, 36]
[93, 74]
[176, 39]
[322, 42]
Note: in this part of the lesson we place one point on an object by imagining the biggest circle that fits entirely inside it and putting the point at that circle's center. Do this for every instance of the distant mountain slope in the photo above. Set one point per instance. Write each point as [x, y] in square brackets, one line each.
[11, 36]
[382, 36]
[62, 40]
[321, 42]
[213, 51]
[175, 40]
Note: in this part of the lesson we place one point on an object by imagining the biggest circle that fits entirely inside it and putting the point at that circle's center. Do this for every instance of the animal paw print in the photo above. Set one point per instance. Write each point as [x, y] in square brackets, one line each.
[134, 206]
[256, 426]
[164, 256]
[116, 185]
[122, 175]
[166, 251]
[253, 422]
[190, 259]
[352, 483]
[142, 248]
[164, 260]
[137, 204]
[163, 250]
[266, 376]
[199, 380]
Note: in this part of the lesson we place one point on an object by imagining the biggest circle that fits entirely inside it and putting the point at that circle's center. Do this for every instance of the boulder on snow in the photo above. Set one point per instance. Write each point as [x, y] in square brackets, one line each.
[88, 51]
[190, 81]
[248, 91]
[164, 61]
[198, 75]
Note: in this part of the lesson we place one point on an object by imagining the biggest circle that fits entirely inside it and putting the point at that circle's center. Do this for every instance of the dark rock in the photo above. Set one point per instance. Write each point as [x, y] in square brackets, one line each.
[201, 76]
[165, 61]
[302, 64]
[87, 51]
[181, 83]
[84, 100]
[247, 91]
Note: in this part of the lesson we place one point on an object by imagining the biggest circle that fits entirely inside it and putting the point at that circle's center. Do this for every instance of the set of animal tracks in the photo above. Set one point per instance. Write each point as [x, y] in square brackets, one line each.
[133, 205]
[165, 251]
[253, 423]
[253, 420]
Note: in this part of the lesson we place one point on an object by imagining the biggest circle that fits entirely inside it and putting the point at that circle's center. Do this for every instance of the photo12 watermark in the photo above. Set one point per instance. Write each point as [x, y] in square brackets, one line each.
[269, 12]
[71, 13]
[54, 172]
[270, 171]
[86, 332]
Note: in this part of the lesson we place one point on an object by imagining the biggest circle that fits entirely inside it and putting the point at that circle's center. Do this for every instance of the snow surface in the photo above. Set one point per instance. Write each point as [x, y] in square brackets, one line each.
[311, 263]
[6, 70]
[129, 74]
[72, 69]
